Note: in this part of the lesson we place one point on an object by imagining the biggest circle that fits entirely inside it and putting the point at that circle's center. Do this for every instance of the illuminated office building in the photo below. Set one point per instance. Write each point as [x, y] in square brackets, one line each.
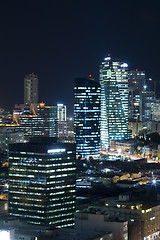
[136, 84]
[43, 123]
[87, 95]
[61, 112]
[62, 120]
[49, 115]
[31, 125]
[135, 105]
[156, 111]
[30, 89]
[114, 101]
[136, 79]
[62, 129]
[9, 135]
[42, 182]
[148, 100]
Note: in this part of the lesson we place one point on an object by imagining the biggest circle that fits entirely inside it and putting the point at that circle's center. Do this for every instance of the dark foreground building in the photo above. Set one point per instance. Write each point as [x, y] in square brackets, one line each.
[42, 182]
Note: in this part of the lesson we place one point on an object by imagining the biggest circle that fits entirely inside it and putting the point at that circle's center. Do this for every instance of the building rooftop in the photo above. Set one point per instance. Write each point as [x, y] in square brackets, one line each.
[72, 234]
[22, 229]
[40, 145]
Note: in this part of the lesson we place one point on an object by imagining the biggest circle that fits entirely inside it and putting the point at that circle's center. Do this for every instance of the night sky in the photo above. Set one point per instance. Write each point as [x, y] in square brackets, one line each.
[63, 40]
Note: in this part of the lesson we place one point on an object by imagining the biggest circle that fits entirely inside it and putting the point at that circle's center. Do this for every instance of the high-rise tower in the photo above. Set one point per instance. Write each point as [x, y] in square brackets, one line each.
[87, 117]
[136, 85]
[30, 89]
[114, 101]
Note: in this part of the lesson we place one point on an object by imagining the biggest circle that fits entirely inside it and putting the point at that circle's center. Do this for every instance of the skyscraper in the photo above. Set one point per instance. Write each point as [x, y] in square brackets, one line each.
[148, 100]
[61, 112]
[30, 89]
[87, 95]
[136, 84]
[114, 100]
[62, 120]
[42, 182]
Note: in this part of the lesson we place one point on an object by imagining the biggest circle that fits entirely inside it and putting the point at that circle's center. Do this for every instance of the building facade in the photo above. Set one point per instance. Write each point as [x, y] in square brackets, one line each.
[114, 101]
[136, 84]
[8, 136]
[62, 129]
[143, 219]
[99, 221]
[156, 111]
[30, 89]
[49, 115]
[87, 95]
[61, 112]
[148, 100]
[43, 123]
[135, 105]
[31, 125]
[42, 182]
[136, 79]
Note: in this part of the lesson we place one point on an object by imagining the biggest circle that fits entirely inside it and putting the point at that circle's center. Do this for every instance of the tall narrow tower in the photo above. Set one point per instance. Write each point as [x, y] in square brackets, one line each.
[61, 112]
[87, 95]
[30, 89]
[136, 85]
[114, 101]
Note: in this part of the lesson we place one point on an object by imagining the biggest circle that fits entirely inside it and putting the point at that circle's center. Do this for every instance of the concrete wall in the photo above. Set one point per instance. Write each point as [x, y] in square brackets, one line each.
[97, 222]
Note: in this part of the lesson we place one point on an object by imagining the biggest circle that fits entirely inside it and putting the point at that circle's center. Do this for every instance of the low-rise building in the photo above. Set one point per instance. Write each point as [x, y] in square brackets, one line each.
[135, 126]
[124, 146]
[143, 220]
[17, 230]
[98, 221]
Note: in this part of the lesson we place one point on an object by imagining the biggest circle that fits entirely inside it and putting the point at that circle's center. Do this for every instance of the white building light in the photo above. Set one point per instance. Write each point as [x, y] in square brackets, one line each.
[107, 58]
[124, 65]
[5, 235]
[60, 104]
[58, 150]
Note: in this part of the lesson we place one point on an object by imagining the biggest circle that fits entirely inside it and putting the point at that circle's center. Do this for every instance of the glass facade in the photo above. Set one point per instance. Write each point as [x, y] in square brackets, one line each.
[31, 125]
[44, 123]
[49, 115]
[136, 83]
[87, 95]
[148, 100]
[114, 101]
[135, 105]
[42, 182]
[136, 79]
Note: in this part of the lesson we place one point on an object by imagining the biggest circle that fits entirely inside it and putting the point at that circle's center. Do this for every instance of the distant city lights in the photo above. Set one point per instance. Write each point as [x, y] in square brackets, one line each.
[154, 181]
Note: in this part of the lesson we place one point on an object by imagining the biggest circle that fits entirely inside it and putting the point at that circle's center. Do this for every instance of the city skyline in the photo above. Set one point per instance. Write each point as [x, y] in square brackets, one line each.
[62, 41]
[149, 85]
